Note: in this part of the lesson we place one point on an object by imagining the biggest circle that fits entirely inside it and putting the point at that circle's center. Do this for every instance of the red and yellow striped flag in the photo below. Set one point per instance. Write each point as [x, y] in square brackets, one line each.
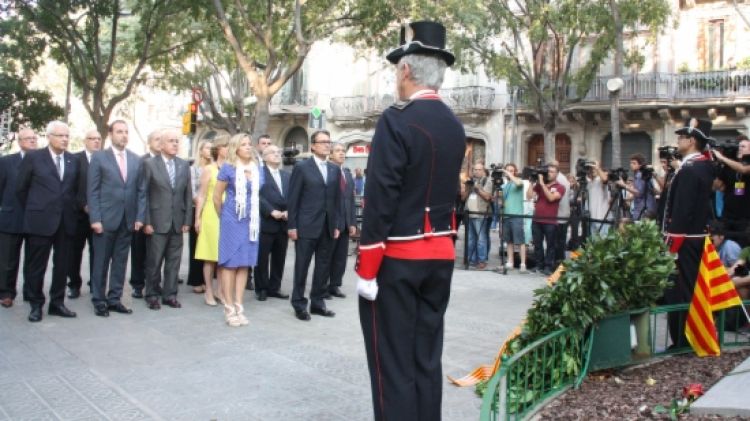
[713, 291]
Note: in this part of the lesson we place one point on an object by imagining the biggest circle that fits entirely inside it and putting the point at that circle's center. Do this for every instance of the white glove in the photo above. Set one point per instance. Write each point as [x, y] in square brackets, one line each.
[367, 289]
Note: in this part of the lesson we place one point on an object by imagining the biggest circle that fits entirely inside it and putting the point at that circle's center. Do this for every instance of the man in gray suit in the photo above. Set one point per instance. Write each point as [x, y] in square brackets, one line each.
[165, 208]
[112, 193]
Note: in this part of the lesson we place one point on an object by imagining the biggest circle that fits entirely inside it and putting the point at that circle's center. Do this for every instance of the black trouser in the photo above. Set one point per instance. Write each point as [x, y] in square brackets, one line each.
[688, 260]
[338, 261]
[541, 234]
[304, 249]
[403, 332]
[138, 261]
[163, 249]
[561, 235]
[273, 245]
[111, 255]
[195, 269]
[83, 234]
[10, 256]
[36, 256]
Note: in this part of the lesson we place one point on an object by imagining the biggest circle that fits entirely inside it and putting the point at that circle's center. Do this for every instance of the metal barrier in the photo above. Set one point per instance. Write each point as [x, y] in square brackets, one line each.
[559, 360]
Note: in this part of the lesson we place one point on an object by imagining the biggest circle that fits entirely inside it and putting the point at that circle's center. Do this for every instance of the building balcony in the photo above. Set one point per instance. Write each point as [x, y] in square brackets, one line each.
[288, 101]
[348, 107]
[469, 99]
[674, 87]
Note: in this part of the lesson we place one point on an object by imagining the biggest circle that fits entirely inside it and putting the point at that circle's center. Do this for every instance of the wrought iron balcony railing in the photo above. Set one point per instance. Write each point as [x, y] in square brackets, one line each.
[469, 98]
[348, 107]
[299, 98]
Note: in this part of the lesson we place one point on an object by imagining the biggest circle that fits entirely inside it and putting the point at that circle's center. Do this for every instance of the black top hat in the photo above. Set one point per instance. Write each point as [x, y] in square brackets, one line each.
[422, 37]
[697, 128]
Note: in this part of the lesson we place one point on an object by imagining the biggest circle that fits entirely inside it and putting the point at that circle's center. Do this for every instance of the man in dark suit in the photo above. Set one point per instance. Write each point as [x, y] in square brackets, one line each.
[313, 220]
[273, 226]
[347, 223]
[11, 217]
[138, 243]
[165, 210]
[92, 143]
[112, 187]
[47, 188]
[264, 141]
[686, 217]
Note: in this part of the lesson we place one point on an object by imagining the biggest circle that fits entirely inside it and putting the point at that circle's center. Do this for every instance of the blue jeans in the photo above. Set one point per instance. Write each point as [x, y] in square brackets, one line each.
[478, 243]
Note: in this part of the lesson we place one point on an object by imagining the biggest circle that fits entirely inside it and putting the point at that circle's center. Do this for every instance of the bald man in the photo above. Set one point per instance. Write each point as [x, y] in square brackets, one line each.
[92, 142]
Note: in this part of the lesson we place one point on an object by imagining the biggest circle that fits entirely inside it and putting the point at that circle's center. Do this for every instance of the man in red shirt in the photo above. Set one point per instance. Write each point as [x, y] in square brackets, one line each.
[544, 223]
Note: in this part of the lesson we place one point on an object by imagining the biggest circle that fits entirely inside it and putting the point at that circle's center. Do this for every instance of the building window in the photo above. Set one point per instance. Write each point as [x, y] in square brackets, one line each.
[715, 44]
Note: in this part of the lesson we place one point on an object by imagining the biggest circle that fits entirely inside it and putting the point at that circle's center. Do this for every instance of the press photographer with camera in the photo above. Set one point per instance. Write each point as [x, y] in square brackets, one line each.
[513, 234]
[734, 260]
[598, 197]
[644, 195]
[476, 192]
[544, 223]
[669, 159]
[733, 180]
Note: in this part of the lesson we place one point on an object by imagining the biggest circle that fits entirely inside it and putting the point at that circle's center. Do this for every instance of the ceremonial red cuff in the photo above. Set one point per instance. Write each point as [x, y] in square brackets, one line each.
[674, 243]
[368, 262]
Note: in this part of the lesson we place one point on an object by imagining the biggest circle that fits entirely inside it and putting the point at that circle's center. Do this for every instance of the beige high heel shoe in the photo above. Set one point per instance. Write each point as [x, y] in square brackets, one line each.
[231, 316]
[241, 315]
[209, 298]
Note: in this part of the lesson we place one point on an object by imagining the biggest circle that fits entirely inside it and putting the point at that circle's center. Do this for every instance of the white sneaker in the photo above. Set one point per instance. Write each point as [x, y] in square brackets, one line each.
[508, 266]
[522, 268]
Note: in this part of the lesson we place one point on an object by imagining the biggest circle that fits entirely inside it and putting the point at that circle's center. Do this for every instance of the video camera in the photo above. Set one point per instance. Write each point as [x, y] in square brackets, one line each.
[617, 174]
[289, 155]
[532, 173]
[669, 153]
[647, 172]
[582, 167]
[497, 173]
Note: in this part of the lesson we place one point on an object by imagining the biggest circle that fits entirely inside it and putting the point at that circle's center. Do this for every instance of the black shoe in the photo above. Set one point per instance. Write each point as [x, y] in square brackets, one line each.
[249, 286]
[322, 312]
[261, 295]
[172, 302]
[278, 294]
[180, 281]
[302, 315]
[101, 310]
[119, 308]
[36, 314]
[327, 296]
[336, 292]
[61, 311]
[74, 292]
[137, 293]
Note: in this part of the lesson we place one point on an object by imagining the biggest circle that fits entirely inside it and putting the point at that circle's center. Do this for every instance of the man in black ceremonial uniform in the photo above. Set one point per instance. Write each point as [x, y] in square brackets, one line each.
[406, 253]
[687, 215]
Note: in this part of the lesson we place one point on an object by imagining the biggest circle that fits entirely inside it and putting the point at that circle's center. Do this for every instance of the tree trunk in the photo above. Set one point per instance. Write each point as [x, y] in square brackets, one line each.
[615, 96]
[102, 126]
[262, 115]
[549, 139]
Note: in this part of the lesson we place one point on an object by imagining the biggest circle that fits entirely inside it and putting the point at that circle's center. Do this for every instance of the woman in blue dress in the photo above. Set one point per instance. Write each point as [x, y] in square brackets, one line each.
[239, 223]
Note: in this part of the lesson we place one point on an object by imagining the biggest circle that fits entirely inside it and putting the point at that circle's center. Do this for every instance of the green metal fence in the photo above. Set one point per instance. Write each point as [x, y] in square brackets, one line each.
[559, 360]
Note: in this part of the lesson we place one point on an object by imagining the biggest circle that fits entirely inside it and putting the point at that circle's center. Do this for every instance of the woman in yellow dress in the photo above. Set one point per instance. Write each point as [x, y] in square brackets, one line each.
[207, 220]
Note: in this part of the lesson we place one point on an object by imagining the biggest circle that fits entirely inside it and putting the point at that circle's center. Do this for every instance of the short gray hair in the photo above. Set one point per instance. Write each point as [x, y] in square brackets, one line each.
[52, 125]
[426, 70]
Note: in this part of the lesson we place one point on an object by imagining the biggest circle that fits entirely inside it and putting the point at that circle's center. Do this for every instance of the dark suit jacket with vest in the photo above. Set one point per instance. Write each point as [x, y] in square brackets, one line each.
[110, 198]
[11, 211]
[48, 201]
[348, 212]
[159, 204]
[313, 203]
[272, 199]
[412, 178]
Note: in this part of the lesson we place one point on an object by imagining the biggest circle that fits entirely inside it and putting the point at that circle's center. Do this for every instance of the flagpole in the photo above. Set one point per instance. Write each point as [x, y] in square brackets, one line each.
[744, 310]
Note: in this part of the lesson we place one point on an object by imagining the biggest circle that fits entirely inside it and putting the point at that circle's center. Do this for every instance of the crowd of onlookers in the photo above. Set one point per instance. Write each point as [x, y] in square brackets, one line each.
[238, 203]
[554, 212]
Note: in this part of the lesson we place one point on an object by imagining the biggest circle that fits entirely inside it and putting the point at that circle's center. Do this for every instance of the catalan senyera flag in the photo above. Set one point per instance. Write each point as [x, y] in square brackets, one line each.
[713, 291]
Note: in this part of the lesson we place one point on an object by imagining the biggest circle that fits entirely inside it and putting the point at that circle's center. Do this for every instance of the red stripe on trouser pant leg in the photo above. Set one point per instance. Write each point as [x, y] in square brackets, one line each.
[381, 402]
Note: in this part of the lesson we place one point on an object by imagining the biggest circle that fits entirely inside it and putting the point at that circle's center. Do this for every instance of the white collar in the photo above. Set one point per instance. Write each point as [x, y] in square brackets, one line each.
[422, 92]
[689, 157]
[319, 161]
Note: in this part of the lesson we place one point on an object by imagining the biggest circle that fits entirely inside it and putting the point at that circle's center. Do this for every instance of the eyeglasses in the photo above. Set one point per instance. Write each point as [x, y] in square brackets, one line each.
[683, 137]
[323, 142]
[93, 138]
[59, 135]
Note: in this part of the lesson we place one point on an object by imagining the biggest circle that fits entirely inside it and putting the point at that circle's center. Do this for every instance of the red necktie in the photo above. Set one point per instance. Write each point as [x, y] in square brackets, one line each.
[342, 181]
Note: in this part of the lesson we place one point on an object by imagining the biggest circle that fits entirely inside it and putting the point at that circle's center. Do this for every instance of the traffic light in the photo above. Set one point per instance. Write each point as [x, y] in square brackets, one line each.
[189, 119]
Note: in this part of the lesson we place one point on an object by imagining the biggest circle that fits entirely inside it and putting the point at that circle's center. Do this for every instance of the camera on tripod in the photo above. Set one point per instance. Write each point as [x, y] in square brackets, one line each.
[582, 167]
[617, 174]
[496, 174]
[669, 153]
[289, 155]
[647, 172]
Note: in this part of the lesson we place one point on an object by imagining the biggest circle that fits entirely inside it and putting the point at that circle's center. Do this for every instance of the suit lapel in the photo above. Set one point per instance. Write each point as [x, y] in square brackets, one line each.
[69, 169]
[109, 155]
[47, 159]
[162, 169]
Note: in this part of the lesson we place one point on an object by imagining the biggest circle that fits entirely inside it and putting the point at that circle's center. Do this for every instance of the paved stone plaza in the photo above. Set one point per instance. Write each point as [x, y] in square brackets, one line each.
[186, 364]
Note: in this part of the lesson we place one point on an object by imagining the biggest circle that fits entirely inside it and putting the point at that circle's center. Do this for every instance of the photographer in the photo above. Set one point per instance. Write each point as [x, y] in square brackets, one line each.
[477, 194]
[644, 198]
[513, 233]
[734, 261]
[598, 195]
[544, 223]
[733, 181]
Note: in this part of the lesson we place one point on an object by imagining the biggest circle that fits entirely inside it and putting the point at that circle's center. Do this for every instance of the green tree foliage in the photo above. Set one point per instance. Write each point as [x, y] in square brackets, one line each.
[551, 49]
[28, 107]
[108, 46]
[270, 40]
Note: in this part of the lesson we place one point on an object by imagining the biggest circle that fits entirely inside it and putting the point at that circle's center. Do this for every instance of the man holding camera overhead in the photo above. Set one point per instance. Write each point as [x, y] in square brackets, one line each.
[544, 223]
[733, 180]
[477, 193]
[644, 197]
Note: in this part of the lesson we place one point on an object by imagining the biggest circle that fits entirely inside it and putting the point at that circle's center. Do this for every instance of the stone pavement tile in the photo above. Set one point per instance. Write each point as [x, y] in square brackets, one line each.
[18, 400]
[41, 416]
[728, 397]
[128, 415]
